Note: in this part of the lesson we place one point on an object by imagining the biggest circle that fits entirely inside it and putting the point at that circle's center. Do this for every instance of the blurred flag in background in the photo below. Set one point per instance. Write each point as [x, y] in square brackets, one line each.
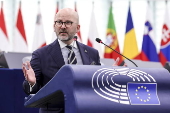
[111, 39]
[93, 34]
[20, 40]
[54, 37]
[164, 54]
[149, 51]
[130, 49]
[78, 34]
[39, 36]
[5, 45]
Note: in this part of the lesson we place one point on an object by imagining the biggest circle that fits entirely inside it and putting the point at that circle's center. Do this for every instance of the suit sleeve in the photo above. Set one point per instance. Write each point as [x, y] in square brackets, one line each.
[36, 65]
[98, 59]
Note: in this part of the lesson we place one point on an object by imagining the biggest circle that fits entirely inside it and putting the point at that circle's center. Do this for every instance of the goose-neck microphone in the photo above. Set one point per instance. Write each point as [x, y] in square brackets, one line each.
[100, 41]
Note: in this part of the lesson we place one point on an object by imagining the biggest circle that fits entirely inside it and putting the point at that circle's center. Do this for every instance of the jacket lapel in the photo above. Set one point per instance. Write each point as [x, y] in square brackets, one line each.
[55, 52]
[84, 53]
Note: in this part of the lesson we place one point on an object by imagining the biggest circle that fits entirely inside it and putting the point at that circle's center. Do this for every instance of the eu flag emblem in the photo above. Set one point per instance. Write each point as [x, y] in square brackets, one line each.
[143, 93]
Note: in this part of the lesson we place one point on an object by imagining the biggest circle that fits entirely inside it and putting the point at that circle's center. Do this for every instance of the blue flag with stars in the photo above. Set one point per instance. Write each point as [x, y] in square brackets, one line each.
[143, 93]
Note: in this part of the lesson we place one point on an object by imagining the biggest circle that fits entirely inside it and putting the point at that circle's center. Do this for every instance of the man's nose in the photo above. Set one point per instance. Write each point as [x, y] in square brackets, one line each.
[63, 26]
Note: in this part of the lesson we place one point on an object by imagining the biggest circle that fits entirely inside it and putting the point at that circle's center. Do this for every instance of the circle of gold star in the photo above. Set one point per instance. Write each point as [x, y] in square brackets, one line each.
[148, 93]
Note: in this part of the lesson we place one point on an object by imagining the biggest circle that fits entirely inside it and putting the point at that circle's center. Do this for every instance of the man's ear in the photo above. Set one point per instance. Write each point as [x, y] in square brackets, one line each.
[78, 28]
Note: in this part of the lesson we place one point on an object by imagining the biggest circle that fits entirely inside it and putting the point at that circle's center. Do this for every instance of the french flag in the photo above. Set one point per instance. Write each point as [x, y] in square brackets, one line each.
[164, 54]
[149, 51]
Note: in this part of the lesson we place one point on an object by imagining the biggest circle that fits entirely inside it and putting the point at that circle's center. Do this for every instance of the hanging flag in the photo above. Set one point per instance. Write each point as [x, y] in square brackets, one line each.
[57, 7]
[111, 39]
[5, 45]
[149, 51]
[164, 54]
[130, 49]
[78, 34]
[93, 34]
[54, 37]
[20, 41]
[39, 36]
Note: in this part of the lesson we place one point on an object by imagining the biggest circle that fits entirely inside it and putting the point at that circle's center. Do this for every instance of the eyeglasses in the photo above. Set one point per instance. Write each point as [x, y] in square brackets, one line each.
[60, 23]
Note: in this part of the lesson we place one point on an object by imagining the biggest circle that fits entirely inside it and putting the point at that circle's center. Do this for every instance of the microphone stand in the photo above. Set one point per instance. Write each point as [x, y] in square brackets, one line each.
[99, 41]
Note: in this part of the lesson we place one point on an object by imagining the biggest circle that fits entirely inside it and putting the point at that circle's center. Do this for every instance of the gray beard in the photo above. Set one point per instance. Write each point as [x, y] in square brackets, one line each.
[69, 38]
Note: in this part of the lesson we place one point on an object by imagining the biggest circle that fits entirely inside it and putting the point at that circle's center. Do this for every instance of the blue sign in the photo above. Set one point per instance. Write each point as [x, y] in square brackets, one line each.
[143, 93]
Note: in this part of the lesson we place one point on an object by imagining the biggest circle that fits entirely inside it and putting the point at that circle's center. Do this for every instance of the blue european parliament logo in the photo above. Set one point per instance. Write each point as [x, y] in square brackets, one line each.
[106, 86]
[143, 93]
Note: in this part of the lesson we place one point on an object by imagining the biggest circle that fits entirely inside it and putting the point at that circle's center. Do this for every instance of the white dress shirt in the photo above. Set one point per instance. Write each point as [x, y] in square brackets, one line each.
[65, 52]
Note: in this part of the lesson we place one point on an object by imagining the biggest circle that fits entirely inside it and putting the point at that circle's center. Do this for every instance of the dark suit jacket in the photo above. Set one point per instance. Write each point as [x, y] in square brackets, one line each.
[47, 60]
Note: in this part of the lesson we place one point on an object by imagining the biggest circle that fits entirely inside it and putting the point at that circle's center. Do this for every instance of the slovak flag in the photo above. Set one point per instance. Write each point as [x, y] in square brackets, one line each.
[39, 36]
[149, 51]
[164, 54]
[20, 40]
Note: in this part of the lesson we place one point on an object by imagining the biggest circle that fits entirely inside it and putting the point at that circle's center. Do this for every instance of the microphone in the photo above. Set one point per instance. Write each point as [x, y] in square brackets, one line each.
[100, 41]
[75, 38]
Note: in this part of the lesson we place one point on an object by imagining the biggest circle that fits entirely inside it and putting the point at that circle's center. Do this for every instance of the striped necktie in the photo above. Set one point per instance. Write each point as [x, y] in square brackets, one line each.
[71, 56]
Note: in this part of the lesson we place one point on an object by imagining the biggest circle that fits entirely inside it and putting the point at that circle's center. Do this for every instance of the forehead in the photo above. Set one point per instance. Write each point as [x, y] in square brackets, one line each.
[65, 16]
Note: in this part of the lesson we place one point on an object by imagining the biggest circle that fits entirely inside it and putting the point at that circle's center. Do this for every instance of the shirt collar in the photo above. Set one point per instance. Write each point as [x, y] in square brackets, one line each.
[62, 44]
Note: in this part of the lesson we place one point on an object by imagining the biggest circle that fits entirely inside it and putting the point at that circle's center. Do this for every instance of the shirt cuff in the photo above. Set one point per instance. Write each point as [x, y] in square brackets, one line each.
[31, 87]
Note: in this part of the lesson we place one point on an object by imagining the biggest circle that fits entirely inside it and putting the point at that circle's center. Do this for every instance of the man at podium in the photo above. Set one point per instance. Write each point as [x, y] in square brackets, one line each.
[47, 60]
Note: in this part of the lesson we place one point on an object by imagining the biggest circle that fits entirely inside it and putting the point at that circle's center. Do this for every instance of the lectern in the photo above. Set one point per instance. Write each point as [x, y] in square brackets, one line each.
[104, 89]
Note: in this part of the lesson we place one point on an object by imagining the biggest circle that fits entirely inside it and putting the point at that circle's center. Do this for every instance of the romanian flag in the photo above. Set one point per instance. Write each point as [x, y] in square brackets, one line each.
[130, 49]
[111, 39]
